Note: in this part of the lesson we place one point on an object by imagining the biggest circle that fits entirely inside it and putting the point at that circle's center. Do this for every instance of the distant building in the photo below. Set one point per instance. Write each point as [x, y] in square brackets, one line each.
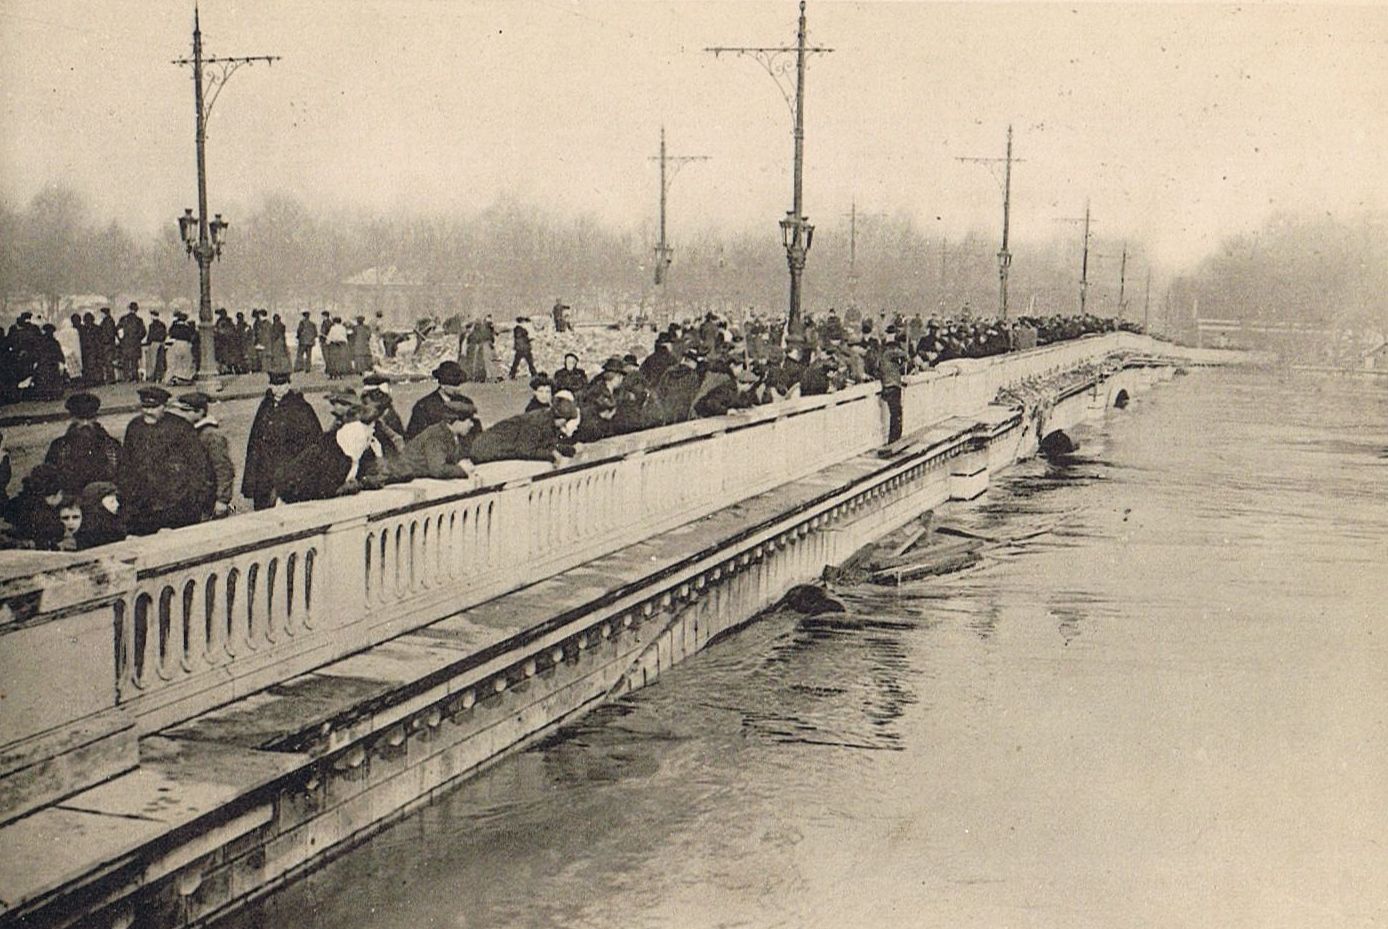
[1376, 358]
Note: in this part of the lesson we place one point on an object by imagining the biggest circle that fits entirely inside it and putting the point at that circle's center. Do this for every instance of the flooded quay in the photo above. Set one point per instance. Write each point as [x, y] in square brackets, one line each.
[1167, 708]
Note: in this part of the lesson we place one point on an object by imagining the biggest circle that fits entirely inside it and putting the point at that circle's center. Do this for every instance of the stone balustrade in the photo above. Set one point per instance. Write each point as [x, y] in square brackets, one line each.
[210, 613]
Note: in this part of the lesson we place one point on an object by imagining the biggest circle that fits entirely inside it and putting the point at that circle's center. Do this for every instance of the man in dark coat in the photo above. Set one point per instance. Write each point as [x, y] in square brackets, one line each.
[165, 479]
[544, 435]
[284, 425]
[659, 360]
[677, 387]
[433, 406]
[891, 368]
[86, 340]
[106, 348]
[154, 348]
[241, 346]
[260, 339]
[223, 338]
[131, 335]
[520, 343]
[86, 452]
[194, 407]
[598, 402]
[306, 335]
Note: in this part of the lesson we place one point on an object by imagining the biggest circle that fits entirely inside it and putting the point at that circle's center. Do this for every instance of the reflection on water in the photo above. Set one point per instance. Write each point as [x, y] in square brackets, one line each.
[1160, 700]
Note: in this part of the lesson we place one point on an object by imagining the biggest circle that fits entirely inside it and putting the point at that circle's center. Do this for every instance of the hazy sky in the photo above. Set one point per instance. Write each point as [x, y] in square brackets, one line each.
[1179, 122]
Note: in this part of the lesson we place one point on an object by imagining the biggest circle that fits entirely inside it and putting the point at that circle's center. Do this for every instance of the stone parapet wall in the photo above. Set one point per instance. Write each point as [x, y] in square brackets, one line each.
[198, 617]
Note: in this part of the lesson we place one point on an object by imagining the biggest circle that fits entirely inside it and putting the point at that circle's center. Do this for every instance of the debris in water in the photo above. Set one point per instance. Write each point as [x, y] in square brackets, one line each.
[809, 599]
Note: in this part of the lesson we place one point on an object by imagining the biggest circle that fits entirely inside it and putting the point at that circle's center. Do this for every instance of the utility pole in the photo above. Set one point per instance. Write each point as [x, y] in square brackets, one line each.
[1084, 260]
[1147, 302]
[1004, 255]
[853, 254]
[207, 87]
[664, 254]
[796, 232]
[1122, 278]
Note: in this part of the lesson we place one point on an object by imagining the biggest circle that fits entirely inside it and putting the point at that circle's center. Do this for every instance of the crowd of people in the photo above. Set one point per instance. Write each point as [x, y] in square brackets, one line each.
[41, 361]
[172, 467]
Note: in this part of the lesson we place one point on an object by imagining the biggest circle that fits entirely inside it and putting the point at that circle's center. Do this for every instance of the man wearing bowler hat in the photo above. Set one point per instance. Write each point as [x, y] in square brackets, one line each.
[433, 407]
[165, 478]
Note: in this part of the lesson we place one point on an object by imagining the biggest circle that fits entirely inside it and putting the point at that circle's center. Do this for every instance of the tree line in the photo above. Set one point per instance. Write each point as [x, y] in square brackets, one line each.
[512, 257]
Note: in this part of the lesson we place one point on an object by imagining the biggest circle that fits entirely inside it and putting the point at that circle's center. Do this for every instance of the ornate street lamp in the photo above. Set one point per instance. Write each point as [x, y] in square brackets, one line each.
[218, 228]
[188, 230]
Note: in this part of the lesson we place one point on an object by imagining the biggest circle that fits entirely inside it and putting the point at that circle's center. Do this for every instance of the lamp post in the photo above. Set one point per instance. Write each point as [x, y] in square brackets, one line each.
[797, 234]
[796, 231]
[207, 86]
[203, 241]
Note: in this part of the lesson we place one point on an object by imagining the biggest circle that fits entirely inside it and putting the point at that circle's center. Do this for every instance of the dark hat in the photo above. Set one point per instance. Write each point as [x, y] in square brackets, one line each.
[195, 400]
[614, 365]
[373, 379]
[540, 380]
[343, 396]
[461, 407]
[449, 374]
[153, 396]
[565, 409]
[83, 405]
[133, 305]
[43, 479]
[375, 395]
[279, 377]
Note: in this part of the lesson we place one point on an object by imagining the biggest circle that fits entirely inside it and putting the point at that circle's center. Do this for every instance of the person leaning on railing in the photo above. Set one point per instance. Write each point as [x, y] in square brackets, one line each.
[541, 435]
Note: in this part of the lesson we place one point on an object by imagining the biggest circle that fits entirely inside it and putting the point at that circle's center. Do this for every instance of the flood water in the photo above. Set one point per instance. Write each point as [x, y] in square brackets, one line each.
[1169, 708]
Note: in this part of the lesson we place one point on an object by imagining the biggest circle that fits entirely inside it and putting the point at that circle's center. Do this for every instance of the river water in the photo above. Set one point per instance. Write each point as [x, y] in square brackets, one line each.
[1169, 708]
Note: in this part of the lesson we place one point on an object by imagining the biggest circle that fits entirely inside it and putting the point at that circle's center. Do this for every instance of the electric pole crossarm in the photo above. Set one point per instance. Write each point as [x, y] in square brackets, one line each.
[1004, 255]
[663, 252]
[206, 88]
[797, 234]
[1084, 261]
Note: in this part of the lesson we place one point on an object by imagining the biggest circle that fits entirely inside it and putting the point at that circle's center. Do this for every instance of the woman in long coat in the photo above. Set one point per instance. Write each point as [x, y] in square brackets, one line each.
[180, 354]
[337, 354]
[277, 350]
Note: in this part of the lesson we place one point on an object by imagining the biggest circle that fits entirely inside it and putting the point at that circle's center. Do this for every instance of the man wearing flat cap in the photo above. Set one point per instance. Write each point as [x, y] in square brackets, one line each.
[284, 424]
[86, 452]
[164, 476]
[194, 407]
[433, 406]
